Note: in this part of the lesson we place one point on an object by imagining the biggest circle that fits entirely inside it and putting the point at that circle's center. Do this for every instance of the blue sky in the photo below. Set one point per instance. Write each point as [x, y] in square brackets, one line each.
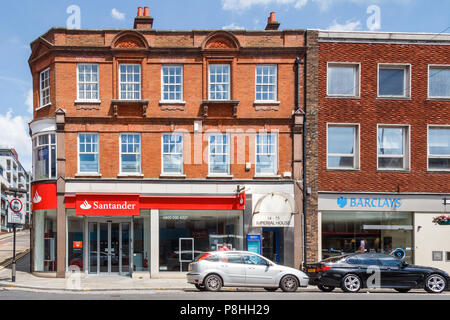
[25, 20]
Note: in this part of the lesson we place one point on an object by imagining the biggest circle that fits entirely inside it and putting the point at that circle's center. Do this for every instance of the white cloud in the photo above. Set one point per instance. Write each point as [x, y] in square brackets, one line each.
[347, 26]
[116, 14]
[15, 135]
[29, 101]
[242, 5]
[232, 26]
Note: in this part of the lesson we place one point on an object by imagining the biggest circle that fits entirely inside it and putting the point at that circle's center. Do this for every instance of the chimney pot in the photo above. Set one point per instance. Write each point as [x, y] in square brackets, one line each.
[146, 12]
[272, 24]
[140, 12]
[272, 17]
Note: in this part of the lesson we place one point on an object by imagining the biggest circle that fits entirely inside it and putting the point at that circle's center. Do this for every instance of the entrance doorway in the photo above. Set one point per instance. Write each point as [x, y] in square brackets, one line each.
[109, 247]
[271, 244]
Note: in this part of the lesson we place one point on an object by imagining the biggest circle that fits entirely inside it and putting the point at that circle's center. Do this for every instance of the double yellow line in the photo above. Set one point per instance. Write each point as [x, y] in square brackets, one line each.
[19, 256]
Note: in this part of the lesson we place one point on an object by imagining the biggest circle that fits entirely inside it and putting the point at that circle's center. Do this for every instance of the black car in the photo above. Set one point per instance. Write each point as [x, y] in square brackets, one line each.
[360, 270]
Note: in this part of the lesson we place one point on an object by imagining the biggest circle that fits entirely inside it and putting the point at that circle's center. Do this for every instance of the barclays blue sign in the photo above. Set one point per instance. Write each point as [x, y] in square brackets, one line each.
[390, 203]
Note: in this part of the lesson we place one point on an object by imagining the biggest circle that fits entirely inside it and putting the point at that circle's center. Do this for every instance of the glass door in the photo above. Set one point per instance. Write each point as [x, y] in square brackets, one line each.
[109, 247]
[270, 244]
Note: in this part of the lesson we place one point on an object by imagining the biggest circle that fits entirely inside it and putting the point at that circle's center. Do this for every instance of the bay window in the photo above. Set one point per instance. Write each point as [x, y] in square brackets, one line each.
[44, 156]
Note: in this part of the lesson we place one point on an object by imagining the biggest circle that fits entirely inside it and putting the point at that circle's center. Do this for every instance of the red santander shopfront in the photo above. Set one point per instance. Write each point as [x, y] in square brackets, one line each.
[126, 234]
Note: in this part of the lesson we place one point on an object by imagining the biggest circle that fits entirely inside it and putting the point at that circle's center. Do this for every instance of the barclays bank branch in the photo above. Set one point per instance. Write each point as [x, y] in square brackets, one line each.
[350, 222]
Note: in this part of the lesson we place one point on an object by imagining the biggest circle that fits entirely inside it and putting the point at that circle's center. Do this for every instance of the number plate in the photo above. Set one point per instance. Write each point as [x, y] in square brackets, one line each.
[311, 270]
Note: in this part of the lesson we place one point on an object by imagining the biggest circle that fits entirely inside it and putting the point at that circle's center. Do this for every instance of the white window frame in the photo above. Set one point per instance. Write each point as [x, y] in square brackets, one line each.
[36, 145]
[436, 66]
[275, 153]
[357, 83]
[41, 90]
[181, 85]
[164, 153]
[262, 84]
[435, 126]
[223, 83]
[406, 79]
[131, 83]
[133, 153]
[91, 82]
[406, 147]
[357, 148]
[228, 173]
[79, 153]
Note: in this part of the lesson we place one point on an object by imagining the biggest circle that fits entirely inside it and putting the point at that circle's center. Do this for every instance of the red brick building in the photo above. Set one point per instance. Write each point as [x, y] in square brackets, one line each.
[152, 146]
[383, 140]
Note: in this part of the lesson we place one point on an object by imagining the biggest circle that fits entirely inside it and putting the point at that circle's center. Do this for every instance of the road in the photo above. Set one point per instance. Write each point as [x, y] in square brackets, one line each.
[6, 244]
[22, 294]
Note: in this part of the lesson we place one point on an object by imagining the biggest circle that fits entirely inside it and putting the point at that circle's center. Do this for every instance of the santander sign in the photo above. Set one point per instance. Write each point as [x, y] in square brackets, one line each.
[107, 205]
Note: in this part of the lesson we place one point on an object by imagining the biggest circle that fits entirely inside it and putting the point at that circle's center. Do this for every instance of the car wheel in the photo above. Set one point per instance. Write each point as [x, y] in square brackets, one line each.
[200, 287]
[271, 289]
[351, 283]
[289, 283]
[325, 288]
[213, 283]
[435, 283]
[402, 290]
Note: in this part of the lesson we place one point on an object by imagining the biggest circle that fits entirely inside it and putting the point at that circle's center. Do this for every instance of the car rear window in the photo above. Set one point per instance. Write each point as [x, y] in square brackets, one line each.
[231, 258]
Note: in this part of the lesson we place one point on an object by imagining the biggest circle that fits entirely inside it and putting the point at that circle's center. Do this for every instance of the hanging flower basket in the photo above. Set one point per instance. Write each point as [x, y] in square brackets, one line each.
[442, 220]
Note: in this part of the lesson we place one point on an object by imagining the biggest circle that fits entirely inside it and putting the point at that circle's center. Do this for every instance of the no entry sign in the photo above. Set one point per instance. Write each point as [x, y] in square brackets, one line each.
[15, 215]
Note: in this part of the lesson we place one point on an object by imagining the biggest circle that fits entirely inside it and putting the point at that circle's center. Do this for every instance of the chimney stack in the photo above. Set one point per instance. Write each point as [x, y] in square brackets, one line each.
[143, 21]
[272, 24]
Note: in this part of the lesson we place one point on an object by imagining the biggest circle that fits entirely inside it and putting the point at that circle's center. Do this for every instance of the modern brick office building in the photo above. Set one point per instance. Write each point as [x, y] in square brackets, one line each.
[383, 142]
[164, 144]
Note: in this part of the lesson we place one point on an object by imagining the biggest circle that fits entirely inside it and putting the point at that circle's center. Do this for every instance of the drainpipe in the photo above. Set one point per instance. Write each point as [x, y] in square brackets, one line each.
[299, 62]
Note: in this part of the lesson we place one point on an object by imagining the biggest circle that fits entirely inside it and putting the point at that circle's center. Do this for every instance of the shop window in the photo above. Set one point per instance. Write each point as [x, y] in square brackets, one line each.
[393, 81]
[347, 232]
[342, 147]
[266, 154]
[439, 148]
[392, 148]
[75, 243]
[439, 82]
[447, 256]
[45, 236]
[190, 233]
[44, 156]
[343, 79]
[141, 256]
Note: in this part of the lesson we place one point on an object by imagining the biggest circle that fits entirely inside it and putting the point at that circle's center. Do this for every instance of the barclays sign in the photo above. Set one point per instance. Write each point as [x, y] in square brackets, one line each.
[388, 203]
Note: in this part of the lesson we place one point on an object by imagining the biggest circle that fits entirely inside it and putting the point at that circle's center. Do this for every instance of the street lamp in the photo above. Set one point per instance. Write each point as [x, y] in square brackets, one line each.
[13, 192]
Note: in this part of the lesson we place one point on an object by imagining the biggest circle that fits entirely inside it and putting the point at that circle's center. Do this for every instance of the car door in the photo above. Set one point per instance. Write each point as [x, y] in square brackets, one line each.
[259, 271]
[391, 272]
[233, 268]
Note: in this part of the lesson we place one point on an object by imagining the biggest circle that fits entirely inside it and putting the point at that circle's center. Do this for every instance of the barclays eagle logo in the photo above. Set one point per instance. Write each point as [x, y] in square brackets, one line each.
[342, 202]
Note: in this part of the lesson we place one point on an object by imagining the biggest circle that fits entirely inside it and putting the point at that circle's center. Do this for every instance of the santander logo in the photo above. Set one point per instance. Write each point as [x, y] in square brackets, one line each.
[37, 198]
[85, 205]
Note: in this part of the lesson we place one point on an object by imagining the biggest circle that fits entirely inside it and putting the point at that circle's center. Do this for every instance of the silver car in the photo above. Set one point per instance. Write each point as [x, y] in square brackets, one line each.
[214, 270]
